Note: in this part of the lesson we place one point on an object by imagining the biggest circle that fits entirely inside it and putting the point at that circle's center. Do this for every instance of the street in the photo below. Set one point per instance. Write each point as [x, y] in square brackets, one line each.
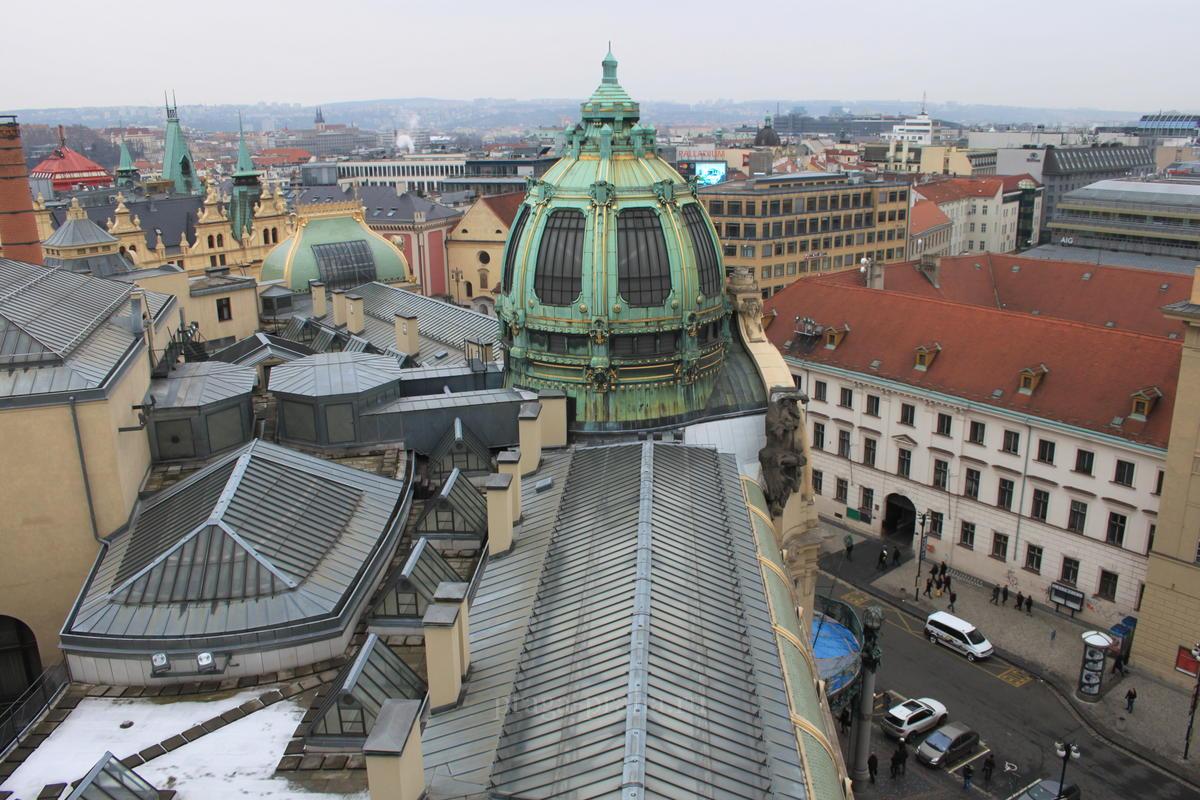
[1018, 718]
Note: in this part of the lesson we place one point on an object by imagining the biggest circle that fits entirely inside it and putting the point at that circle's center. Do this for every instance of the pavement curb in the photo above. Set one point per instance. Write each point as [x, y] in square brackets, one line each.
[1098, 729]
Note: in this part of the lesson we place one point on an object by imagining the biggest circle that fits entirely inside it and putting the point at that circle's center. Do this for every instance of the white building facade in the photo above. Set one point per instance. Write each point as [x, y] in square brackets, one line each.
[1011, 499]
[417, 172]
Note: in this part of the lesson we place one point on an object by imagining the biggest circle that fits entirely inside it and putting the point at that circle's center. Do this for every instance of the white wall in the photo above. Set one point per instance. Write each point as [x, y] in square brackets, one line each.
[1100, 493]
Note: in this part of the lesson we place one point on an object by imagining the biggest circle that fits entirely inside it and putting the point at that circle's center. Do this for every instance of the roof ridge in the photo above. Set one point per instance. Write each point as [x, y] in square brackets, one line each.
[1037, 319]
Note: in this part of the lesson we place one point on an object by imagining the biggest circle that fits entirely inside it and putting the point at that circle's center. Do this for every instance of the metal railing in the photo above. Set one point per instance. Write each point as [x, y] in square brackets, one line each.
[28, 707]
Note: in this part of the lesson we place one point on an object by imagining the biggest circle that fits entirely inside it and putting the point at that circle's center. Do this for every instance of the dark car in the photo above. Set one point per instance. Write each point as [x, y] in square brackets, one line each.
[1049, 790]
[947, 744]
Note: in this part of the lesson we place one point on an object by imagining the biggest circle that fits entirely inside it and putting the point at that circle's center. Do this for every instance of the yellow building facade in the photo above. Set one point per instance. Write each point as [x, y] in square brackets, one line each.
[475, 248]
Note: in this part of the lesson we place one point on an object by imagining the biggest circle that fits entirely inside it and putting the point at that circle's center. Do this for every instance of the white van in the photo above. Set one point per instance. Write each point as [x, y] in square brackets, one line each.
[957, 634]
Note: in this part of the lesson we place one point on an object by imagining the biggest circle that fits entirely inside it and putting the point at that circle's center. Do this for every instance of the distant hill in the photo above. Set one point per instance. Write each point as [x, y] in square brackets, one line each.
[499, 113]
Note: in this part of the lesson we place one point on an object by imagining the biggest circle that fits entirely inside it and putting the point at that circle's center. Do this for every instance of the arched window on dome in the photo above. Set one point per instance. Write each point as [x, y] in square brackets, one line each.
[559, 277]
[212, 242]
[643, 266]
[514, 239]
[220, 240]
[274, 235]
[266, 232]
[706, 252]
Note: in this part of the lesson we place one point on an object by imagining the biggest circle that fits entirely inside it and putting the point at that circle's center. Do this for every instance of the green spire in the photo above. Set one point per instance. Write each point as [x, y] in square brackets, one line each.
[246, 189]
[245, 164]
[126, 171]
[610, 102]
[178, 166]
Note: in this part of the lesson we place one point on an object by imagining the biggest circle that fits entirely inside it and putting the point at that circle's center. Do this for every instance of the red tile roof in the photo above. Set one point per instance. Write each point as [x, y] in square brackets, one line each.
[1092, 370]
[505, 206]
[924, 216]
[1013, 182]
[63, 162]
[950, 189]
[1129, 299]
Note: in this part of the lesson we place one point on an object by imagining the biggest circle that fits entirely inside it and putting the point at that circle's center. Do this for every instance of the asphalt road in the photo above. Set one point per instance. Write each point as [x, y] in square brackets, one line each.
[1017, 716]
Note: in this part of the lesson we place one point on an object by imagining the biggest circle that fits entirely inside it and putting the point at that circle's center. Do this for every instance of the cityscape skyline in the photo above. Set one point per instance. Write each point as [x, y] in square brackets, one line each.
[909, 55]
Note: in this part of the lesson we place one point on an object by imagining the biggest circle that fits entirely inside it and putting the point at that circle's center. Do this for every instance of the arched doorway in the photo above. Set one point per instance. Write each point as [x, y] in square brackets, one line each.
[19, 662]
[899, 519]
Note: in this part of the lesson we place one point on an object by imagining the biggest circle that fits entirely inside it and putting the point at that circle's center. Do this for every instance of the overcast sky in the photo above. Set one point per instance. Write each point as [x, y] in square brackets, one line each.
[1057, 53]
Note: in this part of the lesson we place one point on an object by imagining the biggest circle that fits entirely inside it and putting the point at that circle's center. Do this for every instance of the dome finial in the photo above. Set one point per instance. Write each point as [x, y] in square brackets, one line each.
[610, 66]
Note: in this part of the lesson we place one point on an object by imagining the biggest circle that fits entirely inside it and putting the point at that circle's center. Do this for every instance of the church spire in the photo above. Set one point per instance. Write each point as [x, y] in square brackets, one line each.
[245, 164]
[127, 173]
[178, 166]
[246, 189]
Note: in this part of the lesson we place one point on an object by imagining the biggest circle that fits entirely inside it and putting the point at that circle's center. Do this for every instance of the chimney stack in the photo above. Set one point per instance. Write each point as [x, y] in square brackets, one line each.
[443, 657]
[554, 417]
[354, 314]
[499, 512]
[18, 225]
[509, 463]
[339, 307]
[136, 304]
[529, 432]
[319, 304]
[407, 340]
[395, 766]
[455, 594]
[1196, 286]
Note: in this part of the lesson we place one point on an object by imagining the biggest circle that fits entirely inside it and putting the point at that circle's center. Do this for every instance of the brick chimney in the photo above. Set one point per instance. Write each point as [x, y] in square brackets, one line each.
[319, 304]
[554, 417]
[18, 224]
[395, 764]
[499, 512]
[339, 307]
[407, 340]
[354, 313]
[443, 655]
[455, 594]
[509, 463]
[529, 432]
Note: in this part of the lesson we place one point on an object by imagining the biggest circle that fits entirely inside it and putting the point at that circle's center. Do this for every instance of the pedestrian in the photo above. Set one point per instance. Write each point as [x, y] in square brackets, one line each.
[928, 586]
[895, 556]
[1020, 600]
[968, 773]
[849, 542]
[953, 597]
[946, 581]
[989, 766]
[895, 764]
[937, 586]
[881, 564]
[844, 719]
[995, 594]
[1029, 605]
[1004, 596]
[1130, 696]
[1053, 635]
[1118, 665]
[872, 766]
[943, 569]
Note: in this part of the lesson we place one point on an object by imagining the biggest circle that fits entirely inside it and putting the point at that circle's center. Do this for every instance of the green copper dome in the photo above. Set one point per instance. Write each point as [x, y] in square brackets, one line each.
[332, 244]
[613, 287]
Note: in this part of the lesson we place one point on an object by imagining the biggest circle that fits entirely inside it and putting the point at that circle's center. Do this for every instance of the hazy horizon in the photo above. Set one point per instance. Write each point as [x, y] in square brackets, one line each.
[1067, 54]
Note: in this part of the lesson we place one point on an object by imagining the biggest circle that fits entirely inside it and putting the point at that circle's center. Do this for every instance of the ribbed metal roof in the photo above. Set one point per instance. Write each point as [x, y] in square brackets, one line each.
[452, 400]
[331, 374]
[77, 232]
[60, 331]
[653, 671]
[259, 347]
[200, 383]
[1157, 193]
[265, 542]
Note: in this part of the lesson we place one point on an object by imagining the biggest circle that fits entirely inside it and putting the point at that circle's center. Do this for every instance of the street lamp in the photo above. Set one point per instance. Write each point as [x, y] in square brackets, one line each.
[871, 657]
[1187, 743]
[924, 518]
[1065, 751]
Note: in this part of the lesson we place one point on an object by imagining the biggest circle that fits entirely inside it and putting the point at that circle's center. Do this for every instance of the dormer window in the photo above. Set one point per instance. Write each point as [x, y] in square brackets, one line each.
[834, 336]
[1029, 378]
[1143, 402]
[925, 356]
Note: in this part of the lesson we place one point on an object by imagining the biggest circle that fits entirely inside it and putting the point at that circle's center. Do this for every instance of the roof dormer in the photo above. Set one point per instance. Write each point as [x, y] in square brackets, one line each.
[1030, 377]
[925, 355]
[1143, 401]
[833, 336]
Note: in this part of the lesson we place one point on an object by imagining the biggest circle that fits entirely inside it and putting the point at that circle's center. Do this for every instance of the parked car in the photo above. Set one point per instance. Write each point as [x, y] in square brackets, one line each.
[957, 634]
[912, 717]
[1046, 789]
[947, 744]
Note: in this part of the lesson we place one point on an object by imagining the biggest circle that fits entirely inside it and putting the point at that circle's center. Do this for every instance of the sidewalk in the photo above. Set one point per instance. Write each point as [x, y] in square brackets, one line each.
[1046, 644]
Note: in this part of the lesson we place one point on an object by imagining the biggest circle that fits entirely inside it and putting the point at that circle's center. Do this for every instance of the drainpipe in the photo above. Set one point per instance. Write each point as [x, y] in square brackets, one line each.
[1024, 483]
[87, 485]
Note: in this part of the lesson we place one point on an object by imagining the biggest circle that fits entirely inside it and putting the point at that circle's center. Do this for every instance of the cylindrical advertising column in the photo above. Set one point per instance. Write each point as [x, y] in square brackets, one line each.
[1091, 671]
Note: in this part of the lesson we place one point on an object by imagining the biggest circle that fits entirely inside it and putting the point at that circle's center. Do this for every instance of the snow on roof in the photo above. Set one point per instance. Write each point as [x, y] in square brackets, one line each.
[94, 727]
